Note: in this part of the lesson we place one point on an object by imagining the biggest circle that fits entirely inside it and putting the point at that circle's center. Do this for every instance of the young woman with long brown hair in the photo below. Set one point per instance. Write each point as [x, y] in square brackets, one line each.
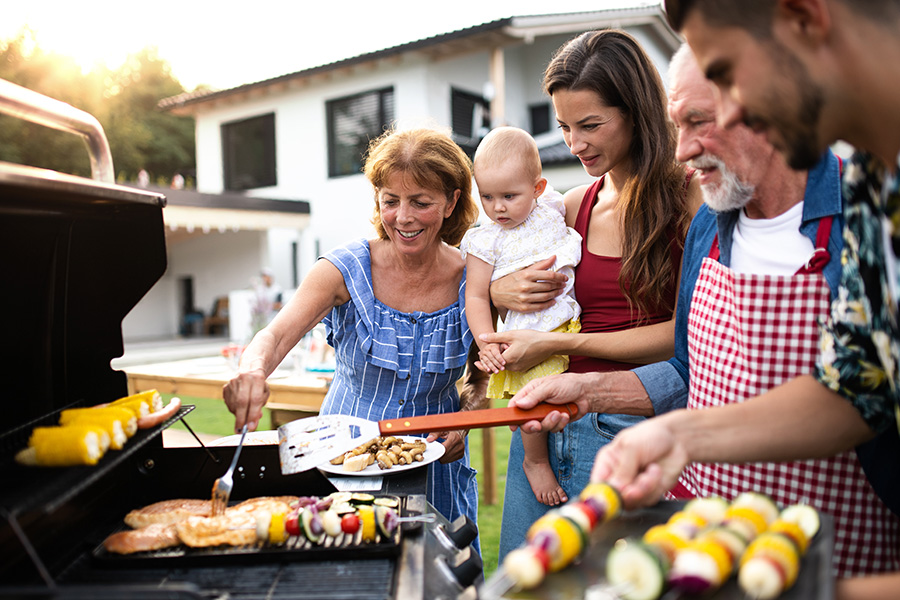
[611, 106]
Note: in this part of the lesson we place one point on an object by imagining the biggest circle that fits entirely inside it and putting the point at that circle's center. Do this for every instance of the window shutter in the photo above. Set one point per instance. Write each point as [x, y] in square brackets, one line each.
[470, 118]
[352, 123]
[248, 149]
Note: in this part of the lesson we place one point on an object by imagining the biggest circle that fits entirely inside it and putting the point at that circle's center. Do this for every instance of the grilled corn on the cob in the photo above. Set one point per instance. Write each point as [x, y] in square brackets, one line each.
[143, 403]
[119, 422]
[63, 446]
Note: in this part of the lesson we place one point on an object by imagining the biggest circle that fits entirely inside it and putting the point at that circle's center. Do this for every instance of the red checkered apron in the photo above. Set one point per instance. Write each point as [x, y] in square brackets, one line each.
[750, 333]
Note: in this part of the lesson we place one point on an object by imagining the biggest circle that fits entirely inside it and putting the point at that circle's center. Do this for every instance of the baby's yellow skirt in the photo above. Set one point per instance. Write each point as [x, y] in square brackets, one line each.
[506, 384]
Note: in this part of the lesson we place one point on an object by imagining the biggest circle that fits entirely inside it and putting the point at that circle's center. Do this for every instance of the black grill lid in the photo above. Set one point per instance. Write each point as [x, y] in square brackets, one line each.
[75, 257]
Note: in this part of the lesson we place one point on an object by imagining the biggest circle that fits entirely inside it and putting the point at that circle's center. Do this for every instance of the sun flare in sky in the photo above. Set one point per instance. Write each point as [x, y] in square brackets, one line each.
[93, 33]
[227, 43]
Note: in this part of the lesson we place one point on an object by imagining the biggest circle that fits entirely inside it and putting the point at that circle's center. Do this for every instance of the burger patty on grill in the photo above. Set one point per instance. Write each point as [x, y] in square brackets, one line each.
[168, 511]
[152, 537]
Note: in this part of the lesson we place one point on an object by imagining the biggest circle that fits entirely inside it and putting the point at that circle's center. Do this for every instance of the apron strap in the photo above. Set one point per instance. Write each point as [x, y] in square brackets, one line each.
[820, 256]
[714, 249]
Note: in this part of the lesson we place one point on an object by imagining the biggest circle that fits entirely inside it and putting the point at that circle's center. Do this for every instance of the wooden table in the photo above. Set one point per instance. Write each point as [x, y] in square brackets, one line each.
[291, 396]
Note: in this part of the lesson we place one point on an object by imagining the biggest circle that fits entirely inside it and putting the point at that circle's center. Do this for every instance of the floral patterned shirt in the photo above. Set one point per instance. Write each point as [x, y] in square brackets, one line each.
[861, 339]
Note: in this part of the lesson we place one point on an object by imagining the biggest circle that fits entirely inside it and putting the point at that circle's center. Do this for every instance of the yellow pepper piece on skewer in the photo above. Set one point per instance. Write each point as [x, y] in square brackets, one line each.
[367, 520]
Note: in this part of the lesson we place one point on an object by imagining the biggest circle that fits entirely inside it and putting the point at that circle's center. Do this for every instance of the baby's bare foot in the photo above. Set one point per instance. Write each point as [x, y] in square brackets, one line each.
[543, 483]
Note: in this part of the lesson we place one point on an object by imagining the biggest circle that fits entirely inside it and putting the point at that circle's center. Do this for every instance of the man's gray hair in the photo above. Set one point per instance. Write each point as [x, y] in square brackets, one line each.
[683, 57]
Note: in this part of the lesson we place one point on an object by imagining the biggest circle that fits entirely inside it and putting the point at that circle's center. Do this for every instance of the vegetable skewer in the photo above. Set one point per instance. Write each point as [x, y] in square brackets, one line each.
[771, 564]
[693, 559]
[556, 539]
[640, 569]
[710, 559]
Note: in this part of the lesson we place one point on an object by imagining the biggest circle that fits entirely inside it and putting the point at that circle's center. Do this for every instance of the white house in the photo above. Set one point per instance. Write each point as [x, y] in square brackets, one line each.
[300, 136]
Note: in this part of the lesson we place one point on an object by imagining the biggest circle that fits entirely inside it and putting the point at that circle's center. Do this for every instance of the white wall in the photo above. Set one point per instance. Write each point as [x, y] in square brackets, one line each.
[218, 263]
[155, 316]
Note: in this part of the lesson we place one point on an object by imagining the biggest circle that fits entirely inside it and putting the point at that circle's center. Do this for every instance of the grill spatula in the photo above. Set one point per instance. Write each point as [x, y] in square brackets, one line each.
[307, 443]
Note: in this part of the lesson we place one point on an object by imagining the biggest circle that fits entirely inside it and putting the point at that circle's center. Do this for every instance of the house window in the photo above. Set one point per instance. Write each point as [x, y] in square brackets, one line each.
[248, 147]
[540, 118]
[471, 119]
[352, 122]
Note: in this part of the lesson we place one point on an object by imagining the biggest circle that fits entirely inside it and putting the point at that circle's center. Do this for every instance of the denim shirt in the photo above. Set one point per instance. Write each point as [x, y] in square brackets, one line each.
[822, 198]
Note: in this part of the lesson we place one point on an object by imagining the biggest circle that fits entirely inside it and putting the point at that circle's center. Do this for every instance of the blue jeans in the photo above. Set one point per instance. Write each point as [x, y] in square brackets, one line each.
[572, 452]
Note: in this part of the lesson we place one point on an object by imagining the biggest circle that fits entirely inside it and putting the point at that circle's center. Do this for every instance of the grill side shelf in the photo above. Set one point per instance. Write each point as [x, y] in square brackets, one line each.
[46, 489]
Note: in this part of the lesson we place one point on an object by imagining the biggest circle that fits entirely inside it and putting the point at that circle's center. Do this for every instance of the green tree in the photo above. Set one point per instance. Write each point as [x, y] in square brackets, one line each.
[23, 142]
[124, 100]
[141, 136]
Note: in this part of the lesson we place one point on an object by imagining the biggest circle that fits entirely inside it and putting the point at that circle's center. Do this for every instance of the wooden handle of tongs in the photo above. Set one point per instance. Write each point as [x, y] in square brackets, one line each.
[472, 419]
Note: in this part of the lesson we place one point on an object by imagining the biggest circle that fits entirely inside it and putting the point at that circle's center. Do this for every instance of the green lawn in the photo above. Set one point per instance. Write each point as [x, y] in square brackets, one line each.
[210, 416]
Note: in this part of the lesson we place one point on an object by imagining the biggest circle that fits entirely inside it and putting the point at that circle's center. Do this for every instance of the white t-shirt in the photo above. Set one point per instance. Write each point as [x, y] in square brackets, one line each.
[771, 246]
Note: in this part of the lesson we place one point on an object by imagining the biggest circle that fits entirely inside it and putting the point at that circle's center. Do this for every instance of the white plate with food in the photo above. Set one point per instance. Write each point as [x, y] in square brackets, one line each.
[432, 452]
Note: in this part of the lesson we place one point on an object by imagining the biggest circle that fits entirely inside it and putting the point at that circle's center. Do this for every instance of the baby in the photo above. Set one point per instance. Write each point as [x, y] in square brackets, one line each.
[527, 225]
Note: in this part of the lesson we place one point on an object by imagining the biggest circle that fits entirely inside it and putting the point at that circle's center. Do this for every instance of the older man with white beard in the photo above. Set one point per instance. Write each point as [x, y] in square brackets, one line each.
[763, 219]
[761, 266]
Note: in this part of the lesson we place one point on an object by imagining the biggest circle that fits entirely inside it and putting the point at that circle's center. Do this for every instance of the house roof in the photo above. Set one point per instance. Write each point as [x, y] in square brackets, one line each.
[500, 32]
[230, 200]
[189, 212]
[557, 154]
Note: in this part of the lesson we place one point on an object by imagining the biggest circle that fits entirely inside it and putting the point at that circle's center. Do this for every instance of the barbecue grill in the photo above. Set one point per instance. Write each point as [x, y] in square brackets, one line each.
[76, 255]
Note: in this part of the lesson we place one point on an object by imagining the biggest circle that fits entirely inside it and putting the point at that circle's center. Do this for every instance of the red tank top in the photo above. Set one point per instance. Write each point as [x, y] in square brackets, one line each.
[603, 306]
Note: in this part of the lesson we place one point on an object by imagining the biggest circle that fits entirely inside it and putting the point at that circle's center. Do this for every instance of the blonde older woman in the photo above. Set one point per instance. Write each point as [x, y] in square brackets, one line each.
[394, 309]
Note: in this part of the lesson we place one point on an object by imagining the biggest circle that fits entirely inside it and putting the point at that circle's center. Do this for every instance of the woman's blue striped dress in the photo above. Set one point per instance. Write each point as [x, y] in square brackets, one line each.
[391, 364]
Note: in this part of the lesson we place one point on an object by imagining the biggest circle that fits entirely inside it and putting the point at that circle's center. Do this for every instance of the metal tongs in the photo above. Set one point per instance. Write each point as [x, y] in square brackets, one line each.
[221, 490]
